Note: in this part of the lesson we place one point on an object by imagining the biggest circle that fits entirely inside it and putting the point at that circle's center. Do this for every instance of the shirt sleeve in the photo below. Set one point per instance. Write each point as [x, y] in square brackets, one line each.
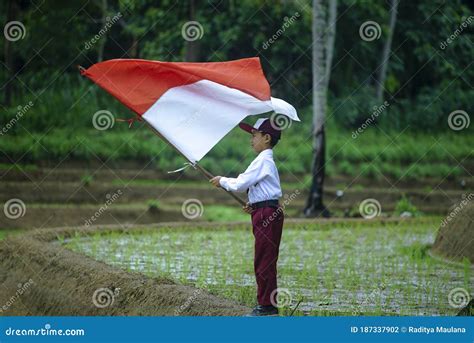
[255, 172]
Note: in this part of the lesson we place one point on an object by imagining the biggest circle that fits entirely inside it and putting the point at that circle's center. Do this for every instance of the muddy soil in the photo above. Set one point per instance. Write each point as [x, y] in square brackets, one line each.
[40, 216]
[74, 172]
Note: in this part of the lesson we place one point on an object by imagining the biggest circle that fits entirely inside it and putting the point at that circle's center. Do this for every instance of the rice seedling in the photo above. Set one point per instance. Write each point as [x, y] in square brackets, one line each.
[346, 269]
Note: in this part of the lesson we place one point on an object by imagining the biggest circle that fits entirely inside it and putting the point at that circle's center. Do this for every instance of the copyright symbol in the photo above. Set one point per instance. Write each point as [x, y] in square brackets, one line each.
[404, 329]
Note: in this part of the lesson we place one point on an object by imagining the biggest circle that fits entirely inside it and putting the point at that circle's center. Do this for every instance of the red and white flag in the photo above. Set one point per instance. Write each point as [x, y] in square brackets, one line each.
[193, 105]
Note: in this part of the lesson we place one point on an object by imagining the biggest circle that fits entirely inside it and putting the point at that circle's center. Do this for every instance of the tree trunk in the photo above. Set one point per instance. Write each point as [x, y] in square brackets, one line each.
[134, 52]
[315, 206]
[319, 63]
[323, 47]
[192, 47]
[331, 37]
[103, 39]
[382, 74]
[134, 49]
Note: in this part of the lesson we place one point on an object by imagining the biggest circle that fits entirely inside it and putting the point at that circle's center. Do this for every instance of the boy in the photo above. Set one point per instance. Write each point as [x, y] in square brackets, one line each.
[262, 183]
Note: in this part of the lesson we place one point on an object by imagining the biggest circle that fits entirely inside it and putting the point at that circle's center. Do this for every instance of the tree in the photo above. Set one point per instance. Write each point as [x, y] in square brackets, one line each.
[324, 34]
[192, 46]
[386, 51]
[12, 13]
[103, 40]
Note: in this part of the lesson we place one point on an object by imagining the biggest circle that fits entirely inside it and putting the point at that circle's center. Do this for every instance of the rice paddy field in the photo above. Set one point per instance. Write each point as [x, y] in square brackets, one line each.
[362, 267]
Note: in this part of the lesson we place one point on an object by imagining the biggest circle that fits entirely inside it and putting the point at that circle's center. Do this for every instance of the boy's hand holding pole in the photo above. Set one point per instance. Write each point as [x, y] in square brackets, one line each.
[247, 208]
[216, 182]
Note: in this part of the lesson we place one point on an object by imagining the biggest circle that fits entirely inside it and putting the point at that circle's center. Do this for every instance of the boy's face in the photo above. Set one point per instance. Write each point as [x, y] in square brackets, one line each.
[260, 141]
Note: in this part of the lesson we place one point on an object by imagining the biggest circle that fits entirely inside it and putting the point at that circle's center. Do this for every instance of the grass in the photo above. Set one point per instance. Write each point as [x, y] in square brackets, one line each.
[68, 134]
[220, 213]
[6, 232]
[19, 167]
[409, 157]
[342, 269]
[404, 205]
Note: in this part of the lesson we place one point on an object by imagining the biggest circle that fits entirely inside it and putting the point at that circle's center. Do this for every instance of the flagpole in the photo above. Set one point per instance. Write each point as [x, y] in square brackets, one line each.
[205, 172]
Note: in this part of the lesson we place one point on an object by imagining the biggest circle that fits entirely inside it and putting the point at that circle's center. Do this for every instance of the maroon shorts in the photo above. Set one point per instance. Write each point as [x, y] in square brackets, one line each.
[267, 225]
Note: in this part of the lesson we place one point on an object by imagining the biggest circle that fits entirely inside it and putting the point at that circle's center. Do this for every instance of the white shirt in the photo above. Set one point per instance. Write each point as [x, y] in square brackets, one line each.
[260, 178]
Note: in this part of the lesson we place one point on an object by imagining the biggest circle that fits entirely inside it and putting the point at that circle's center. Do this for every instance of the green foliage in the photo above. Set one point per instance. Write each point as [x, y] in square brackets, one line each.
[406, 155]
[426, 80]
[405, 205]
[153, 205]
[416, 252]
[224, 213]
[354, 109]
[87, 179]
[409, 139]
[5, 233]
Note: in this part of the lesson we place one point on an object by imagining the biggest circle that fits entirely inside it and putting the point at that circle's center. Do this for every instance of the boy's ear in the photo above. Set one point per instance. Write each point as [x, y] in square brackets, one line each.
[268, 138]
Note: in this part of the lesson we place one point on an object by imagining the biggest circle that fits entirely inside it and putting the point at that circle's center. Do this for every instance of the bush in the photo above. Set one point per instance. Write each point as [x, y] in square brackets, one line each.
[404, 205]
[153, 205]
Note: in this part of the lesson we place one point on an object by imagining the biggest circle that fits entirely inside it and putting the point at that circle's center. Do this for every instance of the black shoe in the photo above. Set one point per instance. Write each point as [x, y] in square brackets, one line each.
[263, 311]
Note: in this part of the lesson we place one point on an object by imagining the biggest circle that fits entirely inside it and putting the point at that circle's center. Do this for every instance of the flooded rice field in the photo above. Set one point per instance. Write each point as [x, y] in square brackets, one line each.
[341, 269]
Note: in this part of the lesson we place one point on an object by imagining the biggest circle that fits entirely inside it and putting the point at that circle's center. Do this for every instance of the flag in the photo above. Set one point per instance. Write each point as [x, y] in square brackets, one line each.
[192, 105]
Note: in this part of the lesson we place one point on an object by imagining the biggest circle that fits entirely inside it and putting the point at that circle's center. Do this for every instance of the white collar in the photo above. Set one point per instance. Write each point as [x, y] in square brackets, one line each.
[267, 152]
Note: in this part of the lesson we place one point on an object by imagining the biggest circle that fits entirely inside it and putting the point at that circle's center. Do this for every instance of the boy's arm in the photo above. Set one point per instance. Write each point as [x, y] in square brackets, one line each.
[254, 173]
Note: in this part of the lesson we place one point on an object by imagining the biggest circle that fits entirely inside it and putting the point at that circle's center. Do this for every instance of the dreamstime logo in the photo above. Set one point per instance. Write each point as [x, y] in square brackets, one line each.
[458, 120]
[288, 199]
[197, 115]
[192, 209]
[370, 208]
[457, 209]
[188, 302]
[22, 288]
[14, 30]
[14, 208]
[104, 297]
[20, 113]
[377, 110]
[369, 31]
[103, 120]
[281, 297]
[287, 23]
[108, 24]
[444, 44]
[279, 121]
[110, 199]
[192, 30]
[458, 297]
[47, 330]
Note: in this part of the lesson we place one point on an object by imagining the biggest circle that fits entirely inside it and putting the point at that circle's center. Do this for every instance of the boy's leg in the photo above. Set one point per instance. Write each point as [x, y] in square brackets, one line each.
[267, 225]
